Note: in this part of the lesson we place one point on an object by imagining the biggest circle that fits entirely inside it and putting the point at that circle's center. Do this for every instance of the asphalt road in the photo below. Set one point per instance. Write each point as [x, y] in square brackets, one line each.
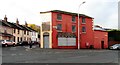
[22, 54]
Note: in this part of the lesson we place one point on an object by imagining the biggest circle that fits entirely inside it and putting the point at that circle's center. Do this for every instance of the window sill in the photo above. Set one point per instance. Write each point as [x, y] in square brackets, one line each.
[59, 31]
[73, 22]
[59, 20]
[73, 32]
[83, 23]
[84, 32]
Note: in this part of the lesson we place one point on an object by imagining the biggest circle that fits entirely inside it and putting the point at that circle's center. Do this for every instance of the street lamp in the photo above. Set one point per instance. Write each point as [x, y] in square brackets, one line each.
[79, 26]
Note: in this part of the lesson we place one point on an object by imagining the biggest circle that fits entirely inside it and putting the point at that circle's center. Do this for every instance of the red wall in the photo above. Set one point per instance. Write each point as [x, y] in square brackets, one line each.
[88, 36]
[98, 37]
[67, 27]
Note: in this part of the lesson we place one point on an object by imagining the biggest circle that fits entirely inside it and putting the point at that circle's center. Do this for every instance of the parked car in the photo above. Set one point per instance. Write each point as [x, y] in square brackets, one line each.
[115, 46]
[21, 43]
[7, 43]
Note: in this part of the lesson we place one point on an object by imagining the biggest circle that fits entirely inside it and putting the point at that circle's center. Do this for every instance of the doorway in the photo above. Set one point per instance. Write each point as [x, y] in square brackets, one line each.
[102, 44]
[46, 41]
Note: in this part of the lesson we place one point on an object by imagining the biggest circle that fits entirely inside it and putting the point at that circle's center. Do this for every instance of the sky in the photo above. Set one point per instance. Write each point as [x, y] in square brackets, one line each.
[104, 12]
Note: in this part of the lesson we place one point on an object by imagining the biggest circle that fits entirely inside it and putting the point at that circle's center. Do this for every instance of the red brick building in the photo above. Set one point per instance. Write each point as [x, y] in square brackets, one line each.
[100, 38]
[63, 30]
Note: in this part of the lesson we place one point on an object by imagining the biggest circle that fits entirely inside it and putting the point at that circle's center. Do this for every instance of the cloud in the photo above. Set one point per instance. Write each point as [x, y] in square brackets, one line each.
[103, 11]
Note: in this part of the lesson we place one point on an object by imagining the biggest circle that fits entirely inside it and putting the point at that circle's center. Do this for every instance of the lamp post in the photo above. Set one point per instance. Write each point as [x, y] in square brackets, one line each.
[79, 26]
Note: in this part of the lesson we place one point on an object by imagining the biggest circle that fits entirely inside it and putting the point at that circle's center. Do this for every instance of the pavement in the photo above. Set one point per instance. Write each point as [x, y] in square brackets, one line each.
[23, 54]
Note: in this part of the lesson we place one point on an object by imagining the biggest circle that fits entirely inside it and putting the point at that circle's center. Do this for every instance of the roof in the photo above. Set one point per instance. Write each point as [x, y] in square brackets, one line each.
[69, 13]
[98, 28]
[6, 34]
[3, 24]
[16, 26]
[24, 27]
[31, 29]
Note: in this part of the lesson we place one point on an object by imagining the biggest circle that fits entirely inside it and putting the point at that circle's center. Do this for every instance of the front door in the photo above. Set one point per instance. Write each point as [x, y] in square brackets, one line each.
[46, 41]
[102, 44]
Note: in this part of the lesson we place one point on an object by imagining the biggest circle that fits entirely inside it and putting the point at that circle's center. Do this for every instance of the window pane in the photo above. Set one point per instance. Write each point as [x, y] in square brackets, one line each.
[59, 27]
[73, 28]
[83, 29]
[59, 17]
[83, 20]
[14, 30]
[73, 19]
[18, 31]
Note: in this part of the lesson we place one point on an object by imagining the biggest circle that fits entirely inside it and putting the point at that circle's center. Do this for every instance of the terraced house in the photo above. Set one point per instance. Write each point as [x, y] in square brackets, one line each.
[16, 32]
[6, 30]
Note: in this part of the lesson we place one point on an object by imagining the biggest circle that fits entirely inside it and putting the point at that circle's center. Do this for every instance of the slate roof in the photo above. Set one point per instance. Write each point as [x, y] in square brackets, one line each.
[15, 26]
[69, 13]
[3, 24]
[5, 34]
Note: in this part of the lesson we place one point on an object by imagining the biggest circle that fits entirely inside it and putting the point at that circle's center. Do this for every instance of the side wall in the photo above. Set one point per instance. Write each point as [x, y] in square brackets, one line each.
[98, 37]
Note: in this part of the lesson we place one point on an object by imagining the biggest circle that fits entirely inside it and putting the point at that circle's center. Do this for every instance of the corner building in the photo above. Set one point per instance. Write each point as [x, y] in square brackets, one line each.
[59, 29]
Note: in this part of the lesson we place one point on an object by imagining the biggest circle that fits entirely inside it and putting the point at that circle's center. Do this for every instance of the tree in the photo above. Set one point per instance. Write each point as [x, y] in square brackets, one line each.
[35, 27]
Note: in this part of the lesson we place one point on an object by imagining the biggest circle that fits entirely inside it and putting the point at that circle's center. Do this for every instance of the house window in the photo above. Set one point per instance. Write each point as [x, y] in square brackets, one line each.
[59, 17]
[14, 30]
[73, 19]
[83, 29]
[73, 28]
[83, 20]
[21, 38]
[59, 27]
[24, 31]
[18, 39]
[27, 32]
[18, 31]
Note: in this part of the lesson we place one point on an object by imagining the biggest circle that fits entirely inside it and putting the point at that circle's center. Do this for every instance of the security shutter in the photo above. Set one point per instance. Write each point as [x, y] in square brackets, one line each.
[71, 41]
[62, 41]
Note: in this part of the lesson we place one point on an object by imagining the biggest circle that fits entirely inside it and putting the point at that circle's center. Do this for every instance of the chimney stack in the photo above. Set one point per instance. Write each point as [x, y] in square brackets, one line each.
[17, 22]
[5, 18]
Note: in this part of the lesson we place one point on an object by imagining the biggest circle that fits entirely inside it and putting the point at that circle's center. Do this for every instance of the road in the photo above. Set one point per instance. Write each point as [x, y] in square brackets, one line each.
[22, 54]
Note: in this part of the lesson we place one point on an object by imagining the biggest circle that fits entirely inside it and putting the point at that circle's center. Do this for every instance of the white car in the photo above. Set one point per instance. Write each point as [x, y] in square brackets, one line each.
[115, 46]
[7, 43]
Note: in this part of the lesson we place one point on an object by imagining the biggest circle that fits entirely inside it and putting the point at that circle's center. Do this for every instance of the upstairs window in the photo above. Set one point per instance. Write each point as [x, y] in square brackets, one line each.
[59, 17]
[83, 20]
[73, 19]
[73, 28]
[18, 31]
[83, 29]
[14, 30]
[59, 27]
[27, 32]
[24, 31]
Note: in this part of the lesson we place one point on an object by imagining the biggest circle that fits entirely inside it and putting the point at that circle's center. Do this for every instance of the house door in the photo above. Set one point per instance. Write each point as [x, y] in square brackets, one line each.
[102, 44]
[46, 41]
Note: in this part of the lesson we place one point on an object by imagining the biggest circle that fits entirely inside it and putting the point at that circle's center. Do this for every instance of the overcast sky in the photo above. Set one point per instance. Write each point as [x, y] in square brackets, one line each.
[104, 12]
